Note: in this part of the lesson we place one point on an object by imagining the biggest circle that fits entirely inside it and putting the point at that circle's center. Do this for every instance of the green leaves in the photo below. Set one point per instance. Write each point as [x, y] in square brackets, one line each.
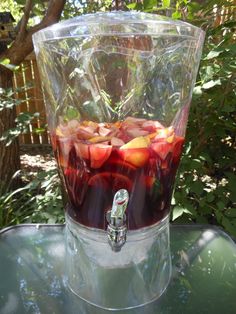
[166, 3]
[211, 84]
[39, 200]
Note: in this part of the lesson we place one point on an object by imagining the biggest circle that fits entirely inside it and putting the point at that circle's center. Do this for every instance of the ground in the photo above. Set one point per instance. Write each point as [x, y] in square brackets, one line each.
[36, 158]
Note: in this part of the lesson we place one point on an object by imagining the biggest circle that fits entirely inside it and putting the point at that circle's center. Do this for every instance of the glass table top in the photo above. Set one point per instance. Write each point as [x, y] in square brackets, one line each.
[32, 278]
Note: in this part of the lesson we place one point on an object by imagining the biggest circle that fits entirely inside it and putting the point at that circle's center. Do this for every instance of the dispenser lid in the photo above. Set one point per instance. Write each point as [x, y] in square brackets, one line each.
[118, 22]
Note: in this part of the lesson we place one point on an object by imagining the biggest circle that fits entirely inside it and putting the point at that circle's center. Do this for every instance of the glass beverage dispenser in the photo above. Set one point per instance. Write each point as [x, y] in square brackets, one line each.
[117, 88]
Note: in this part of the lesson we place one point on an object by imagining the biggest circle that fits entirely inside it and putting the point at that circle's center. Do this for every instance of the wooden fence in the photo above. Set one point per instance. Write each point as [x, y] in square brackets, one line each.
[28, 90]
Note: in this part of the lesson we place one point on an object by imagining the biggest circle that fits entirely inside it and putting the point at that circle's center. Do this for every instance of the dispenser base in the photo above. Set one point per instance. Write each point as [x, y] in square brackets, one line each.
[133, 277]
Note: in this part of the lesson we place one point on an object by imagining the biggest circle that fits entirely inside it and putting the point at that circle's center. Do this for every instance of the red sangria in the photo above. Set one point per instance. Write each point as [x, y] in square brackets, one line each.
[98, 159]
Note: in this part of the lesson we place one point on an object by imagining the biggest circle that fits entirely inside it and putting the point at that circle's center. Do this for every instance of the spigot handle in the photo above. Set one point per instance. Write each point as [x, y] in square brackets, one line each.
[116, 218]
[119, 205]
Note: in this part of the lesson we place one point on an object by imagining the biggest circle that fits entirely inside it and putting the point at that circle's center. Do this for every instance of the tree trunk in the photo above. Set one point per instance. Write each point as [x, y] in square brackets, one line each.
[9, 156]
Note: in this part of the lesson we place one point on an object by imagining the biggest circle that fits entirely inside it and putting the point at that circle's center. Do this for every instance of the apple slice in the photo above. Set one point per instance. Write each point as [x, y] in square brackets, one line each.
[152, 126]
[115, 141]
[82, 150]
[99, 153]
[73, 124]
[85, 132]
[164, 133]
[136, 132]
[103, 131]
[162, 148]
[149, 181]
[178, 147]
[65, 145]
[133, 120]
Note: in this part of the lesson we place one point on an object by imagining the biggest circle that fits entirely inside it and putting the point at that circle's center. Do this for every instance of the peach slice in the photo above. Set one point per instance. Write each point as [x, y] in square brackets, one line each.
[136, 151]
[99, 139]
[135, 156]
[99, 153]
[138, 142]
[170, 139]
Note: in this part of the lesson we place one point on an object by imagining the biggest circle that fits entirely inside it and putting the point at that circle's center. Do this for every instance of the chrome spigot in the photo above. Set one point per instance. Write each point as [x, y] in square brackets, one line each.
[116, 218]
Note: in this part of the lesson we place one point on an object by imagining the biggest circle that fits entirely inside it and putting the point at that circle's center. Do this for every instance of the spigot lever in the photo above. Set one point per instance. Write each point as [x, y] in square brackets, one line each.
[116, 218]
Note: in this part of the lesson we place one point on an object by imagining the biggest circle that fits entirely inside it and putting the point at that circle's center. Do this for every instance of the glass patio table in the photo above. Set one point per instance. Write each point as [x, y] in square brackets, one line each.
[32, 277]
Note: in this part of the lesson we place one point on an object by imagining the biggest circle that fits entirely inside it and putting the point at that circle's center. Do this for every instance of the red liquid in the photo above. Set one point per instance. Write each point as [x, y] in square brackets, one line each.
[94, 170]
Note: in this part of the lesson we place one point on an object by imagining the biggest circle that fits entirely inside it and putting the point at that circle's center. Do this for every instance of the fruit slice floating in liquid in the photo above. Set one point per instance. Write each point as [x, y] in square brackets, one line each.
[99, 153]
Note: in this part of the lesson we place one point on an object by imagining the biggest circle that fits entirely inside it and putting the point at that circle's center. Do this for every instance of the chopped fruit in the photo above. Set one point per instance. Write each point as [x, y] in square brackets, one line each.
[73, 124]
[82, 150]
[170, 139]
[152, 126]
[152, 135]
[59, 131]
[103, 131]
[136, 132]
[164, 133]
[92, 124]
[136, 156]
[162, 149]
[65, 148]
[178, 147]
[99, 139]
[134, 121]
[85, 133]
[98, 159]
[138, 142]
[99, 153]
[115, 141]
[149, 181]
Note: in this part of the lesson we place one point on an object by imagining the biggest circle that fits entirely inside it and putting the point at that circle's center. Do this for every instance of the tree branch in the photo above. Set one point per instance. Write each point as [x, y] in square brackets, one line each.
[52, 15]
[23, 46]
[25, 19]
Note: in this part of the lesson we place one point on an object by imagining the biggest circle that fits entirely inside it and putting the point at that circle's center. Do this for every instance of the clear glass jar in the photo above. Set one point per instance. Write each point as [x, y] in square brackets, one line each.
[117, 88]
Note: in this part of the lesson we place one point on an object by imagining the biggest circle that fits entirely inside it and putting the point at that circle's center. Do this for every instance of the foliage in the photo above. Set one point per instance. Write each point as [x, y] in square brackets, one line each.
[23, 119]
[207, 177]
[39, 200]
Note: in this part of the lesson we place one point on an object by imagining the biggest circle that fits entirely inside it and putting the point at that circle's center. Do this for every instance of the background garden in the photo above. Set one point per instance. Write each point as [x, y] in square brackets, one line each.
[206, 183]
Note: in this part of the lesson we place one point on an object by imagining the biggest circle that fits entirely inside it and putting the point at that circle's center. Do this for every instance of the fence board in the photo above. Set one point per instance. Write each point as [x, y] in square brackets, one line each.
[28, 90]
[20, 94]
[39, 103]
